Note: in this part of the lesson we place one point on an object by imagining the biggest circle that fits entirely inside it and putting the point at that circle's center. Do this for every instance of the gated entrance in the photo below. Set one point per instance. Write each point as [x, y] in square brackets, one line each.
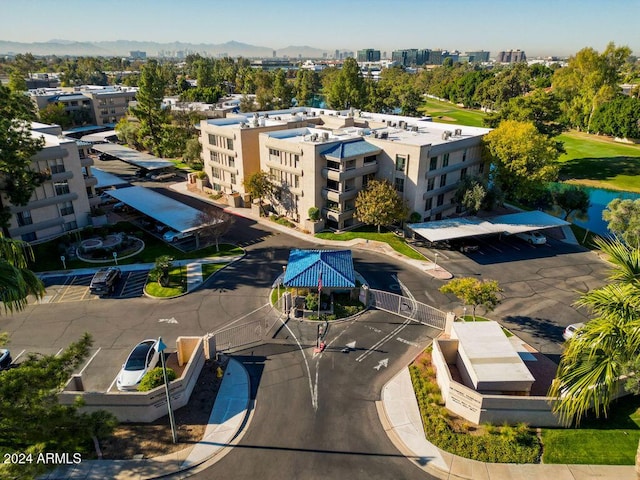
[408, 308]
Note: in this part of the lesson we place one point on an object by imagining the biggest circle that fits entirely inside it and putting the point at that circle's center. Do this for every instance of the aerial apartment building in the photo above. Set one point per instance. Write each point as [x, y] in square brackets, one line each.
[323, 158]
[63, 202]
[88, 104]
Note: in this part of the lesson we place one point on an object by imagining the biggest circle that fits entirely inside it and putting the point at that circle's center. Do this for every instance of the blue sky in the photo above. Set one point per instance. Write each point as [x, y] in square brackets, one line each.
[540, 27]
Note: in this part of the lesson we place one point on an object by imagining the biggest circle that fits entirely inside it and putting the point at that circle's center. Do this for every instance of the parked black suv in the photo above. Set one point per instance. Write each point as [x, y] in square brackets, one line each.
[104, 281]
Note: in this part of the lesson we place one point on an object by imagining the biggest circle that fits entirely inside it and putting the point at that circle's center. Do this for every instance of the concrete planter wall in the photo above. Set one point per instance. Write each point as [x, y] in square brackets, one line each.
[143, 406]
[314, 227]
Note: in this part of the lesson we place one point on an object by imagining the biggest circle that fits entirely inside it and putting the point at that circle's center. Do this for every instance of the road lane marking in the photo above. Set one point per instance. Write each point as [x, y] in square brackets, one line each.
[241, 318]
[384, 339]
[90, 360]
[382, 363]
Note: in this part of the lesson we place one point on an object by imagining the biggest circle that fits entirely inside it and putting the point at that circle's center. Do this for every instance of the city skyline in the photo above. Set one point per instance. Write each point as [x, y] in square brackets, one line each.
[540, 28]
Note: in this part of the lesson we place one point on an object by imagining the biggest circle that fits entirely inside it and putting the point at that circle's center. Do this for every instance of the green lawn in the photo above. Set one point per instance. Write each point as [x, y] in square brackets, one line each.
[209, 269]
[611, 441]
[177, 284]
[600, 162]
[371, 233]
[445, 112]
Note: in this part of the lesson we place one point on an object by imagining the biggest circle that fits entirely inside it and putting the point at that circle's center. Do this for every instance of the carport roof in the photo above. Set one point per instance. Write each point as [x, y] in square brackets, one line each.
[470, 226]
[133, 157]
[106, 179]
[172, 213]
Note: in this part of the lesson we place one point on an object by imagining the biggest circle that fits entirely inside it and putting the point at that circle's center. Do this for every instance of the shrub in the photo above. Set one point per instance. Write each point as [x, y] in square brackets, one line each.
[314, 214]
[154, 378]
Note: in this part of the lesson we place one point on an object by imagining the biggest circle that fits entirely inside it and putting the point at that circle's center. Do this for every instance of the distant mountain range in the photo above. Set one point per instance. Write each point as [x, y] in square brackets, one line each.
[121, 48]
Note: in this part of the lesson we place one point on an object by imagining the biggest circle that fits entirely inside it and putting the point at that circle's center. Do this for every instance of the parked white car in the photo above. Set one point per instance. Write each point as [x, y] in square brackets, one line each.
[571, 330]
[534, 238]
[173, 236]
[142, 358]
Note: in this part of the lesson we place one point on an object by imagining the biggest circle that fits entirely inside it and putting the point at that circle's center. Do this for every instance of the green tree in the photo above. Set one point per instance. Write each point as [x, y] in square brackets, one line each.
[572, 199]
[346, 89]
[192, 153]
[32, 418]
[474, 292]
[55, 113]
[307, 84]
[148, 109]
[380, 204]
[588, 81]
[282, 90]
[523, 159]
[591, 366]
[624, 220]
[17, 146]
[474, 194]
[17, 83]
[618, 118]
[127, 130]
[214, 223]
[160, 272]
[17, 282]
[259, 185]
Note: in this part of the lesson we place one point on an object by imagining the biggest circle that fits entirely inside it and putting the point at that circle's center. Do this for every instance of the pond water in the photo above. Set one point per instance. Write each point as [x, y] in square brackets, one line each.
[599, 198]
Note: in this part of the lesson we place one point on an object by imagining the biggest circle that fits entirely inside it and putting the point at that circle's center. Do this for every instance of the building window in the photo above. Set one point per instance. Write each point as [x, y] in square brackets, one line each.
[232, 162]
[370, 159]
[70, 226]
[445, 160]
[401, 163]
[464, 155]
[463, 173]
[296, 181]
[233, 178]
[433, 163]
[399, 184]
[229, 144]
[62, 188]
[431, 183]
[215, 172]
[440, 200]
[29, 237]
[212, 139]
[274, 152]
[214, 157]
[428, 204]
[66, 209]
[443, 180]
[24, 218]
[296, 160]
[217, 187]
[481, 168]
[56, 166]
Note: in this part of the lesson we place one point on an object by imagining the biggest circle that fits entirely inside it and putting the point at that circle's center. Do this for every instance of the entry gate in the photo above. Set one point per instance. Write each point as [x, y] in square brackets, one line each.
[408, 308]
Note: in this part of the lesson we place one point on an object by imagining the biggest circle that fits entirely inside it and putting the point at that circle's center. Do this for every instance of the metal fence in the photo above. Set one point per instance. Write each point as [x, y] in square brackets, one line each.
[408, 308]
[245, 334]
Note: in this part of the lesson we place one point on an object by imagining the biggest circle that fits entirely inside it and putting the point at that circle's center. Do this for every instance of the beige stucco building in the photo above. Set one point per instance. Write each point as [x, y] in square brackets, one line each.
[63, 202]
[322, 158]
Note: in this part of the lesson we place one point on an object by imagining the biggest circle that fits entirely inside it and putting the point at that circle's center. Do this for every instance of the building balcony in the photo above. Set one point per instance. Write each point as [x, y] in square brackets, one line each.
[45, 202]
[58, 177]
[285, 168]
[342, 175]
[438, 191]
[336, 215]
[86, 162]
[90, 181]
[339, 196]
[35, 227]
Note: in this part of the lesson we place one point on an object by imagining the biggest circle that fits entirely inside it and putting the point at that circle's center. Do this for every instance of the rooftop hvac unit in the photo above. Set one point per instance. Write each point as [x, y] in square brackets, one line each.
[384, 135]
[414, 128]
[321, 112]
[446, 134]
[314, 137]
[458, 132]
[325, 136]
[401, 124]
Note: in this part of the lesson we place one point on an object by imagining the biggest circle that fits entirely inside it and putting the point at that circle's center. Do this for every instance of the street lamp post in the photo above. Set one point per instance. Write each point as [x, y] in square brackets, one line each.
[435, 262]
[115, 257]
[161, 348]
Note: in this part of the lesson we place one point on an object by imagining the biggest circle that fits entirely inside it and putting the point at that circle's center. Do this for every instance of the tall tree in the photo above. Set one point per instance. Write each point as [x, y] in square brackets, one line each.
[523, 159]
[572, 199]
[588, 81]
[213, 223]
[282, 90]
[148, 109]
[17, 146]
[17, 282]
[259, 185]
[380, 204]
[624, 220]
[33, 421]
[55, 113]
[593, 362]
[346, 89]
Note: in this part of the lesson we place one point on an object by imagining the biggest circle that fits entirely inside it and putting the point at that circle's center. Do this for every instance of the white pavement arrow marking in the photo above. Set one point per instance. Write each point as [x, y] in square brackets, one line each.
[168, 320]
[382, 363]
[351, 345]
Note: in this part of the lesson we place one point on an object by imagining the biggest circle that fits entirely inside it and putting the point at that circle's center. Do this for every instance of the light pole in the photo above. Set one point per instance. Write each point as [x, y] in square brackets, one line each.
[435, 262]
[161, 348]
[63, 259]
[464, 314]
[115, 257]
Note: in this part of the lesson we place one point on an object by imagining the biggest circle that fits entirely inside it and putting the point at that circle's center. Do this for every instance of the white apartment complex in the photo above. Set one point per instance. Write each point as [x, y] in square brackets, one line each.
[63, 202]
[322, 158]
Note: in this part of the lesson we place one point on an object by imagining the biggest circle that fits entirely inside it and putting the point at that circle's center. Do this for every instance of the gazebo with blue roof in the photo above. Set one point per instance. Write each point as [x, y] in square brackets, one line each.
[307, 267]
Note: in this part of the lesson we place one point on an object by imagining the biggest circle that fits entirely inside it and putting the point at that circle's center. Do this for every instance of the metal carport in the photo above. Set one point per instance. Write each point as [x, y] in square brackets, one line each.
[449, 229]
[172, 213]
[131, 156]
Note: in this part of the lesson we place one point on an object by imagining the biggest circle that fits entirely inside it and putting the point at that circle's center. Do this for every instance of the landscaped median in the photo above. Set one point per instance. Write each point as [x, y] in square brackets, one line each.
[370, 233]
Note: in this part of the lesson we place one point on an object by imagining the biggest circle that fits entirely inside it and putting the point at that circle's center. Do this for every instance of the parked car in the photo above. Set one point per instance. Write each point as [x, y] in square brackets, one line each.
[104, 281]
[158, 177]
[105, 198]
[120, 207]
[464, 245]
[142, 358]
[534, 238]
[572, 330]
[173, 236]
[142, 172]
[5, 359]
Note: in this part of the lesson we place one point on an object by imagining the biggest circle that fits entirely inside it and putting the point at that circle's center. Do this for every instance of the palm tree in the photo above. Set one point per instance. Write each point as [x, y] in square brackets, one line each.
[17, 282]
[594, 361]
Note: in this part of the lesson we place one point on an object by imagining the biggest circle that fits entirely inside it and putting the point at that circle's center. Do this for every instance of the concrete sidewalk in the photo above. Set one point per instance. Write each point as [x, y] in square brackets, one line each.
[227, 417]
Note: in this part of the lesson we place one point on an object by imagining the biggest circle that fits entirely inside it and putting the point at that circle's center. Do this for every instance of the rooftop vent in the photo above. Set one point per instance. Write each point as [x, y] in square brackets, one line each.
[458, 132]
[384, 135]
[446, 134]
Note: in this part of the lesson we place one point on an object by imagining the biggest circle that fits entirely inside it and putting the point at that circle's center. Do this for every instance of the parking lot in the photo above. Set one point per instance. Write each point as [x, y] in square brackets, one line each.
[64, 289]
